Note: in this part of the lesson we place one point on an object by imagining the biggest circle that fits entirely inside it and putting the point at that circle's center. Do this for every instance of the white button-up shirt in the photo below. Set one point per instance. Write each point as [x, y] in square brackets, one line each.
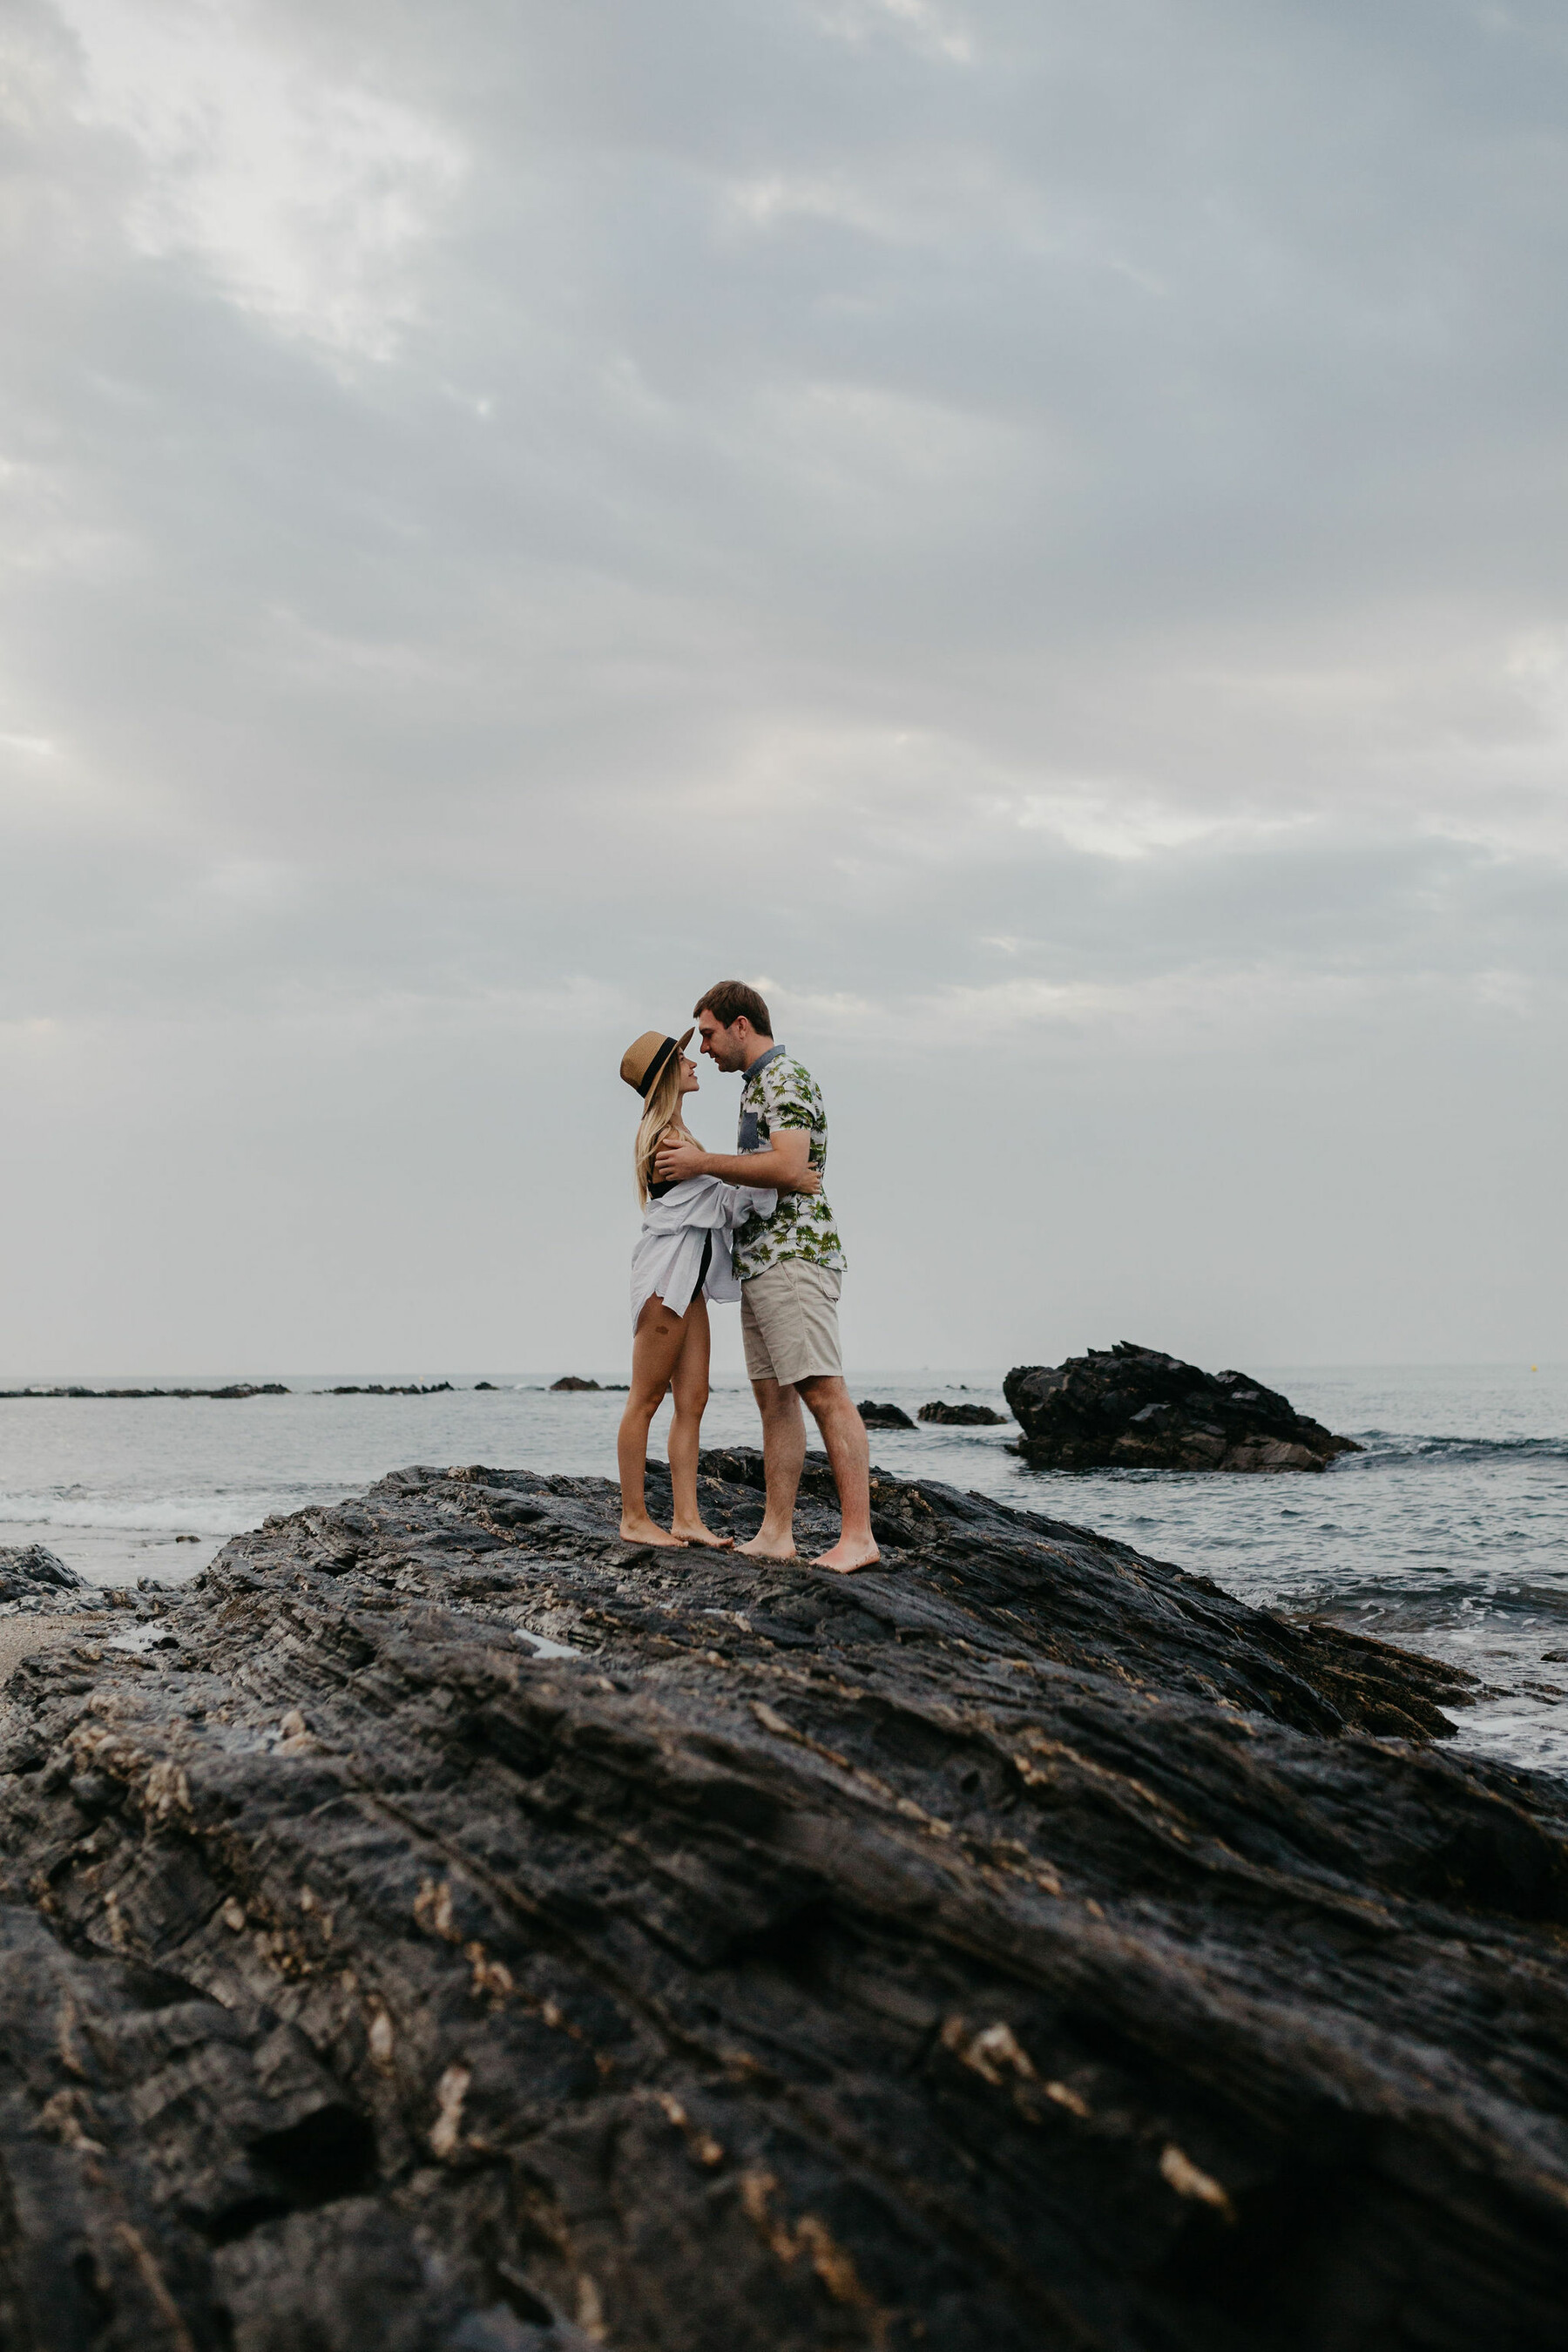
[670, 1247]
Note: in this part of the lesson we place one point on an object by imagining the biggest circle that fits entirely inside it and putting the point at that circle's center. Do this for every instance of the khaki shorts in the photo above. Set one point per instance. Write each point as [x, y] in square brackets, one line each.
[789, 1322]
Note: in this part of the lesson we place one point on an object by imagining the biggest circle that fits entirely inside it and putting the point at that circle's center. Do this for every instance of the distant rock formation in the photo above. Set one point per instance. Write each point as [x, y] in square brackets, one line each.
[436, 1388]
[569, 1381]
[1131, 1407]
[236, 1388]
[883, 1416]
[962, 1416]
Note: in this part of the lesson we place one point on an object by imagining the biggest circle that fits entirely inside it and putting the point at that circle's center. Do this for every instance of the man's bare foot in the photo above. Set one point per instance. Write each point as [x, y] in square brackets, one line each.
[645, 1531]
[846, 1557]
[695, 1533]
[757, 1549]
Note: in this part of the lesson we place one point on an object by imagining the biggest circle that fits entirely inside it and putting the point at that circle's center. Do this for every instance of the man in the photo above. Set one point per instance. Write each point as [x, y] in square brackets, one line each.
[790, 1266]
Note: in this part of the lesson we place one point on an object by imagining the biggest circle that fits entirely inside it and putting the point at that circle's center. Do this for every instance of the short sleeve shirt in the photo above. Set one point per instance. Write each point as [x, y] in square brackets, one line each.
[779, 1092]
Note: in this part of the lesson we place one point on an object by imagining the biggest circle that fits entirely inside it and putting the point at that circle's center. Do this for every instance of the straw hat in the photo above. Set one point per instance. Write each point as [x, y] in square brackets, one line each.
[641, 1063]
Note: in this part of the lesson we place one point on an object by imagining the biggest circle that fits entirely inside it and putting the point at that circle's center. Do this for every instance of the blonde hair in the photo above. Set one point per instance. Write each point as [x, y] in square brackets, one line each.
[663, 1112]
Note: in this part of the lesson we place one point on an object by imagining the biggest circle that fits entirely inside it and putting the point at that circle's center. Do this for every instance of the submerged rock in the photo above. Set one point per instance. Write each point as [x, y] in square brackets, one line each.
[481, 1933]
[963, 1416]
[1130, 1408]
[883, 1416]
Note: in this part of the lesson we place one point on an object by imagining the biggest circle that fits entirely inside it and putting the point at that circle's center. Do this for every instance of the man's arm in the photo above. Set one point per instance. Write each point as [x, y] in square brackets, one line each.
[779, 1169]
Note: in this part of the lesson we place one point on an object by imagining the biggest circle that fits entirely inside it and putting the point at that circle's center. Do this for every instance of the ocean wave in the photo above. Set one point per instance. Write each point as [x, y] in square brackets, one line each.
[223, 1511]
[1384, 1446]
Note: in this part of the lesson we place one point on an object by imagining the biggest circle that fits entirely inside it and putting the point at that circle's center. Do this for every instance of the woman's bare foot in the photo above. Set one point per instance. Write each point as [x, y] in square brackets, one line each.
[695, 1532]
[645, 1531]
[846, 1557]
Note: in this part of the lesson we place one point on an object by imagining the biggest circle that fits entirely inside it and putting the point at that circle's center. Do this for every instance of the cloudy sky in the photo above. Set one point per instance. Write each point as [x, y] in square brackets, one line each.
[1039, 534]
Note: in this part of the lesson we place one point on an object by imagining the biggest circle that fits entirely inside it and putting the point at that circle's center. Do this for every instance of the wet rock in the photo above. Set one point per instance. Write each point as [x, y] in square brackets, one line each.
[436, 1387]
[962, 1416]
[1023, 1944]
[883, 1416]
[236, 1389]
[28, 1570]
[569, 1381]
[1129, 1407]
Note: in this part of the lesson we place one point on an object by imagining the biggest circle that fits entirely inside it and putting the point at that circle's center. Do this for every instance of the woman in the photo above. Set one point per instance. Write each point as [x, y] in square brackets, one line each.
[682, 1260]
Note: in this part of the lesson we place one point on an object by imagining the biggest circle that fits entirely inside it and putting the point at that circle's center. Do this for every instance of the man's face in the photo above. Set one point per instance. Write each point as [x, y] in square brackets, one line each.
[728, 1049]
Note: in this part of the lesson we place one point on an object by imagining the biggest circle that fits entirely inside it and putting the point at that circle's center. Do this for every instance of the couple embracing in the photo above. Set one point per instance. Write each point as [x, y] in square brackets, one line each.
[753, 1224]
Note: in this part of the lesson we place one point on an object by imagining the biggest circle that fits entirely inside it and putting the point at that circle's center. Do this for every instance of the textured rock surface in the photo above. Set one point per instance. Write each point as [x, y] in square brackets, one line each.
[963, 1416]
[28, 1571]
[1130, 1408]
[883, 1416]
[477, 1934]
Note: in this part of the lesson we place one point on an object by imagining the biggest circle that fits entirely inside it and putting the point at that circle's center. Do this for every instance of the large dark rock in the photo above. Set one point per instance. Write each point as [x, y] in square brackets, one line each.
[28, 1572]
[1130, 1408]
[883, 1416]
[963, 1416]
[481, 1935]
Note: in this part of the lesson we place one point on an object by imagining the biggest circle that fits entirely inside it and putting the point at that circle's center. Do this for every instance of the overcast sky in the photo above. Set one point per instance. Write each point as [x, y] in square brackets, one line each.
[1038, 534]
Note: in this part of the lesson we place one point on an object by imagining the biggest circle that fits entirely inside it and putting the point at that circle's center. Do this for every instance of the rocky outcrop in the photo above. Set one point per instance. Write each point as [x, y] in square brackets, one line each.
[1131, 1407]
[570, 1381]
[963, 1416]
[31, 1573]
[883, 1416]
[34, 1582]
[240, 1388]
[436, 1387]
[478, 1936]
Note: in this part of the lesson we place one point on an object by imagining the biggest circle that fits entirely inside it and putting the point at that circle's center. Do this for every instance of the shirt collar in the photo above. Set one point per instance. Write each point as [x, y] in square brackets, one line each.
[762, 1063]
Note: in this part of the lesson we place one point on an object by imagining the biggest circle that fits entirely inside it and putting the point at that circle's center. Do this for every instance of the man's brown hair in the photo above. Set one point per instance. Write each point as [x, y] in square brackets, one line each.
[728, 999]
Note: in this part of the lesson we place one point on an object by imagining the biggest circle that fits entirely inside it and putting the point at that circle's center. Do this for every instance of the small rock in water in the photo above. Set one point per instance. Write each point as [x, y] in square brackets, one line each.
[962, 1416]
[1131, 1407]
[570, 1381]
[883, 1416]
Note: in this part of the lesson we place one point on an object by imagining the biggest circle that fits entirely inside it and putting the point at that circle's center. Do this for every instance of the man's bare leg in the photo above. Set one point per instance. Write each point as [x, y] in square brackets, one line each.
[783, 1459]
[844, 1434]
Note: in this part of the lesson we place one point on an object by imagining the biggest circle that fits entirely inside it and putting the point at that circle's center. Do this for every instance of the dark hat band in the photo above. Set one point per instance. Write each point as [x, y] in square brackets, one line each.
[645, 1083]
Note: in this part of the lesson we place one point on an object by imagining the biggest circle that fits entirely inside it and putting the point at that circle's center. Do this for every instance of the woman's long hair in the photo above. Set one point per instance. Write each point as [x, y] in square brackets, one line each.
[663, 1111]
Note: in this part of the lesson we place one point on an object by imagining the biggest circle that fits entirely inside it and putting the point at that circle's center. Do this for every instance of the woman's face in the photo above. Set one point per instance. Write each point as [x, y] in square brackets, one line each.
[688, 1075]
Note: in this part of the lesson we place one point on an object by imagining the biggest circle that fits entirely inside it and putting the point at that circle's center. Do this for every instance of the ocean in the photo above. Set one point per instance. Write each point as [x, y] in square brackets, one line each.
[1448, 1534]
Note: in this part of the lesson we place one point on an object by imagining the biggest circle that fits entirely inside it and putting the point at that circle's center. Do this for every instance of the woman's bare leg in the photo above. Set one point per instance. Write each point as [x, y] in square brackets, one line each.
[689, 1382]
[655, 1347]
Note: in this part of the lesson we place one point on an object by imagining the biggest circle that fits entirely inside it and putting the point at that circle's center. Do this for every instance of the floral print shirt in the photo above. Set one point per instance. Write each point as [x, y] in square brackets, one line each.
[779, 1092]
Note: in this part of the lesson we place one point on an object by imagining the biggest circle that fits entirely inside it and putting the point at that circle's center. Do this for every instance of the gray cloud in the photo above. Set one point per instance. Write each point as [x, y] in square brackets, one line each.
[1040, 536]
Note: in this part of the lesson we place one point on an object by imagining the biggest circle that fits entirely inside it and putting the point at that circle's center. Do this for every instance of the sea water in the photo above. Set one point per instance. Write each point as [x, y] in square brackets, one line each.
[1449, 1533]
